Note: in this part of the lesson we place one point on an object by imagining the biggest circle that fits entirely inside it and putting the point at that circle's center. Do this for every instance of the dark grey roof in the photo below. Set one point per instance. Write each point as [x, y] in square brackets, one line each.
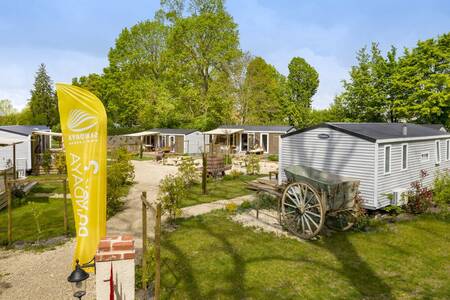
[435, 126]
[25, 130]
[174, 130]
[265, 128]
[378, 131]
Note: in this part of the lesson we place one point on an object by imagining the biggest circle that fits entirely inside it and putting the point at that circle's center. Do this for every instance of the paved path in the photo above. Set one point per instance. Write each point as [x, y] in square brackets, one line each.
[200, 209]
[148, 174]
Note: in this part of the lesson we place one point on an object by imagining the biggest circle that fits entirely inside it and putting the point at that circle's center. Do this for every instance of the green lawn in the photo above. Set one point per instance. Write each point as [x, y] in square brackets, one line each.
[226, 188]
[24, 226]
[211, 257]
[50, 187]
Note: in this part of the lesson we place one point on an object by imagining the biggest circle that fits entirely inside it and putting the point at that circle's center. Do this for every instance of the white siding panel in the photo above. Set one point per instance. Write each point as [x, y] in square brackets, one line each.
[340, 154]
[22, 150]
[399, 178]
[193, 143]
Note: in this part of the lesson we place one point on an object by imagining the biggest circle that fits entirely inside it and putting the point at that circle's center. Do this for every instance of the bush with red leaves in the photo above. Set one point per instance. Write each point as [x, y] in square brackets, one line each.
[420, 197]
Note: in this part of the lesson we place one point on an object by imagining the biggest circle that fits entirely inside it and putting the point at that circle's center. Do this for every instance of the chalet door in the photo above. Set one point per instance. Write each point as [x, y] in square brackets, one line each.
[265, 141]
[244, 142]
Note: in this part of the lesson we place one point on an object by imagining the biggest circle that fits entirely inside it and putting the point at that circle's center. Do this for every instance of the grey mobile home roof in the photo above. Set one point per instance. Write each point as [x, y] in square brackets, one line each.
[174, 130]
[264, 128]
[24, 130]
[378, 131]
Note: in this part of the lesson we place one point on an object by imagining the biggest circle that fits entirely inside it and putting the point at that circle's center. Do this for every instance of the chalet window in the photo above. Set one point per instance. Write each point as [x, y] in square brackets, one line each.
[425, 156]
[438, 152]
[404, 156]
[447, 149]
[387, 159]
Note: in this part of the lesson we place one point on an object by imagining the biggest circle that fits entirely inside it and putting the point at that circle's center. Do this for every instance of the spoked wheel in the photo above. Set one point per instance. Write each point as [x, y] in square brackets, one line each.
[301, 210]
[342, 220]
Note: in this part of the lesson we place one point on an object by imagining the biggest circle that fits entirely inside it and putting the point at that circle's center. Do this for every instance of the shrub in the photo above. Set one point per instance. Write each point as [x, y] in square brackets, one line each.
[419, 197]
[265, 201]
[441, 189]
[36, 211]
[231, 207]
[172, 190]
[245, 205]
[148, 274]
[272, 157]
[227, 159]
[252, 164]
[393, 209]
[60, 162]
[120, 174]
[362, 220]
[188, 171]
[235, 174]
[47, 161]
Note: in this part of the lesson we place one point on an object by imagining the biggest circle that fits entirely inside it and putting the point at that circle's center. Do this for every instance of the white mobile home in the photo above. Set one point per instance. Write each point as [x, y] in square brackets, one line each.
[176, 140]
[23, 150]
[248, 138]
[385, 157]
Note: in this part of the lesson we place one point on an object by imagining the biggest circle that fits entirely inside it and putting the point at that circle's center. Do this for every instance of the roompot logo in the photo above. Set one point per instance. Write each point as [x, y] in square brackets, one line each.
[80, 121]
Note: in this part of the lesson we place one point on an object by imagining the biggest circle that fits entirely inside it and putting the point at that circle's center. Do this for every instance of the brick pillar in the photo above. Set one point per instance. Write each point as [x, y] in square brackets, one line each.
[118, 251]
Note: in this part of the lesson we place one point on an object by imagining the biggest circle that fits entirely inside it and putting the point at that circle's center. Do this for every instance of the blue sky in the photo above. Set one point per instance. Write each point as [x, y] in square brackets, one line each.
[72, 37]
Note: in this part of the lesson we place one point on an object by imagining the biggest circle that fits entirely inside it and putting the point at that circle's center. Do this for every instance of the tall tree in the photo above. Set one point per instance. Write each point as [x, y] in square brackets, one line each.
[368, 95]
[6, 107]
[137, 64]
[423, 82]
[203, 46]
[265, 92]
[43, 102]
[303, 81]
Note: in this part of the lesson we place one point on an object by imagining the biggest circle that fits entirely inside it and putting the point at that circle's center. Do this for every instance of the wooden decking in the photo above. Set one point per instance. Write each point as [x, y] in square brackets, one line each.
[266, 186]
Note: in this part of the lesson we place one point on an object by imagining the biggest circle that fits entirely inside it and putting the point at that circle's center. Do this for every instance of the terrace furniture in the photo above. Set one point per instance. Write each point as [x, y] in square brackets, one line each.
[275, 173]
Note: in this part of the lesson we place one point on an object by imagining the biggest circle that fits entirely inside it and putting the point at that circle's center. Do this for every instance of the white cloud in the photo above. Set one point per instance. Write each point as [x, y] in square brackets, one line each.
[20, 65]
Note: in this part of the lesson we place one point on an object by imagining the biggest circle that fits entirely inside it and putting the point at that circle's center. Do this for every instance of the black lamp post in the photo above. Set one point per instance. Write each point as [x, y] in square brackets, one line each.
[78, 280]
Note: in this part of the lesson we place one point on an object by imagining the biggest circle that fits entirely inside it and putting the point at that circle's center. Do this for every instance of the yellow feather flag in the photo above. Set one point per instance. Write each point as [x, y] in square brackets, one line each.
[83, 125]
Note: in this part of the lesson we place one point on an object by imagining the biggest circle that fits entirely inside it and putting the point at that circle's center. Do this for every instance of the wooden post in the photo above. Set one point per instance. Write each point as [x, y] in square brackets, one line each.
[204, 170]
[66, 224]
[141, 149]
[14, 162]
[158, 252]
[144, 240]
[9, 195]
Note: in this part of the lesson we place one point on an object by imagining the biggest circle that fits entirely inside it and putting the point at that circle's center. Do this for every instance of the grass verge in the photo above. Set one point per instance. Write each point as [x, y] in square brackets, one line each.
[24, 226]
[211, 257]
[226, 188]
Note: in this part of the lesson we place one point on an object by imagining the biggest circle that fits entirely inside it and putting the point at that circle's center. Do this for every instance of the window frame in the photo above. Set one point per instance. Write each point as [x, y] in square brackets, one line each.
[428, 156]
[437, 150]
[390, 160]
[406, 157]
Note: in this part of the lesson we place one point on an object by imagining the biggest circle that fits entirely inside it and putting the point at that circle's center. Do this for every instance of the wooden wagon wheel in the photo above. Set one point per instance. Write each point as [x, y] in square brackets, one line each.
[301, 210]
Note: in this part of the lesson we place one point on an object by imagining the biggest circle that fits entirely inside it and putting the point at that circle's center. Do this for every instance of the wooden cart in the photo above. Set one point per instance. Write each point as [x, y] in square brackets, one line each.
[313, 197]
